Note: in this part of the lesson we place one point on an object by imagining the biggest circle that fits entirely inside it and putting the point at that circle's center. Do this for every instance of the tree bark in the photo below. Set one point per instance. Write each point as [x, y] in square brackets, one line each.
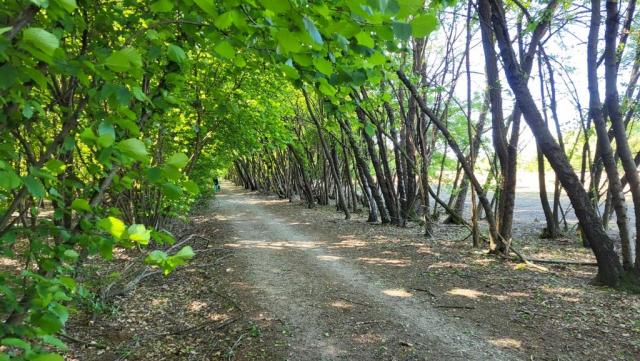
[609, 267]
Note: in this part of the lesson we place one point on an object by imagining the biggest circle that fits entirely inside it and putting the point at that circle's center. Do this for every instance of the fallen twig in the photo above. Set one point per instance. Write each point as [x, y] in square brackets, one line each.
[563, 261]
[456, 306]
[425, 290]
[354, 302]
[231, 354]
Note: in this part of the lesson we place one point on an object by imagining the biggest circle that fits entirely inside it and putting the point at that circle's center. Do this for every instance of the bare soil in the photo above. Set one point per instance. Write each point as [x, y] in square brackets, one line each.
[278, 281]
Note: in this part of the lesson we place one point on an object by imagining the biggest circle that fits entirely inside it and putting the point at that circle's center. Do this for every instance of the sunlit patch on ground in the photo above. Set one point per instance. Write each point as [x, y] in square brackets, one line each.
[466, 292]
[506, 342]
[385, 261]
[329, 258]
[565, 293]
[275, 245]
[397, 292]
[195, 306]
[341, 304]
[8, 262]
[368, 338]
[349, 242]
[448, 265]
[218, 316]
[159, 301]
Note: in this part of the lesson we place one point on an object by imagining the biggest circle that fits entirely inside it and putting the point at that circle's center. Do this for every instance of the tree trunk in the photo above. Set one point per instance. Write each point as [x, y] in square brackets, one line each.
[609, 267]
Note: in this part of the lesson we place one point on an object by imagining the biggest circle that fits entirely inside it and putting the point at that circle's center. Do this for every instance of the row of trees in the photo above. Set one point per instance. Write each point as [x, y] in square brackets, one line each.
[115, 114]
[390, 146]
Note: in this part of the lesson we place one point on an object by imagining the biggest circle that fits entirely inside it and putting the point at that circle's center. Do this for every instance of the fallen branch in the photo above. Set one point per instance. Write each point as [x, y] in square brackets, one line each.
[354, 302]
[564, 261]
[231, 353]
[456, 306]
[425, 290]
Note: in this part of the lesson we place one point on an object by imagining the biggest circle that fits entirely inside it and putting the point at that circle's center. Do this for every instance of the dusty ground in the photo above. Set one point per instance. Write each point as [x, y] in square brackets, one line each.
[278, 281]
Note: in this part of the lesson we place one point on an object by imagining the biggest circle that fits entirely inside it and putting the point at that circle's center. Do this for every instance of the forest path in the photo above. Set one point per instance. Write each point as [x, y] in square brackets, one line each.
[331, 307]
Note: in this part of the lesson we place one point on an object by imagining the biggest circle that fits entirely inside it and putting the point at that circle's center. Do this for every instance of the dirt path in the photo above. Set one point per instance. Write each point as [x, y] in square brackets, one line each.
[331, 307]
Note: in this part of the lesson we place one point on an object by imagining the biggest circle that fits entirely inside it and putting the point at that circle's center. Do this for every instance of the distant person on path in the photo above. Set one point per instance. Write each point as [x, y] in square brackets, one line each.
[216, 185]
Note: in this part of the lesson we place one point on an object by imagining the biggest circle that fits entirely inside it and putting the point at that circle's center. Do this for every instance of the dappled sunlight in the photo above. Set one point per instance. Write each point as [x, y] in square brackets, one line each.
[157, 302]
[299, 223]
[466, 292]
[274, 245]
[506, 342]
[8, 262]
[236, 216]
[475, 294]
[195, 306]
[397, 292]
[329, 258]
[568, 294]
[218, 316]
[446, 264]
[385, 261]
[349, 242]
[484, 261]
[368, 338]
[341, 304]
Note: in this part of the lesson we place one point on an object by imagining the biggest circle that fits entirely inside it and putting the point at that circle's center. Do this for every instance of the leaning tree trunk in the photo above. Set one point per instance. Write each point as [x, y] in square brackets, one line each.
[609, 268]
[604, 145]
[612, 104]
[327, 155]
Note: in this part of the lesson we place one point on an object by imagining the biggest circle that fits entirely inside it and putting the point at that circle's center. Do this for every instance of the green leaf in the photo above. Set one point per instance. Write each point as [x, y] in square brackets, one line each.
[40, 40]
[48, 357]
[377, 58]
[402, 31]
[370, 129]
[324, 66]
[55, 166]
[34, 186]
[133, 148]
[113, 226]
[155, 257]
[8, 75]
[185, 253]
[178, 160]
[9, 179]
[288, 41]
[312, 30]
[139, 234]
[71, 255]
[171, 191]
[409, 7]
[162, 6]
[16, 342]
[80, 204]
[124, 59]
[225, 50]
[365, 39]
[207, 6]
[424, 24]
[68, 5]
[277, 6]
[175, 53]
[326, 88]
[290, 71]
[54, 341]
[191, 187]
[224, 21]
